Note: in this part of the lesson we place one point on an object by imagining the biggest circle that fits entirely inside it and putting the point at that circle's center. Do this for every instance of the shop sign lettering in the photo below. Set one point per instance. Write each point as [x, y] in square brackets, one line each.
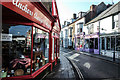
[29, 12]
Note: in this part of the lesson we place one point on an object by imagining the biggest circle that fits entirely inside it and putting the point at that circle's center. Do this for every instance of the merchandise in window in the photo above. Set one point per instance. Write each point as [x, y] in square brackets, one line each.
[40, 48]
[16, 50]
[108, 43]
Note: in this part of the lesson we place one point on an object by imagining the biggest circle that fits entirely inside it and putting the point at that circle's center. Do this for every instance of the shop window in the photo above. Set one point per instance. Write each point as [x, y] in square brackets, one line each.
[108, 43]
[53, 49]
[91, 43]
[103, 43]
[112, 43]
[118, 43]
[81, 42]
[78, 42]
[58, 44]
[96, 43]
[86, 43]
[16, 50]
[40, 48]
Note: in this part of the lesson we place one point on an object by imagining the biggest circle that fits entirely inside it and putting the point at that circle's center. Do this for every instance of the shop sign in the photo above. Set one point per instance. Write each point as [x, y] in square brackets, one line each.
[28, 10]
[6, 37]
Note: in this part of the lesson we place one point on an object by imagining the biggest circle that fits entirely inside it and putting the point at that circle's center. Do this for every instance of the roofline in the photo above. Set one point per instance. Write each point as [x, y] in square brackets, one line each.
[103, 14]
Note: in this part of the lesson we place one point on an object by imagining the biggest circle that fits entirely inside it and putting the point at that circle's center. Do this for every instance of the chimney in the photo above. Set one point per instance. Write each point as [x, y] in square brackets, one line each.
[92, 7]
[74, 16]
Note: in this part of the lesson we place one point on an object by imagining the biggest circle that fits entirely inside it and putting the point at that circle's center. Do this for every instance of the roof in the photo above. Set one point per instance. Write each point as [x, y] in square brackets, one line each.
[110, 11]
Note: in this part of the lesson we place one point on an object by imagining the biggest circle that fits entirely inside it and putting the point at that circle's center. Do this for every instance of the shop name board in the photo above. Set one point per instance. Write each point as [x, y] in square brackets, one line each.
[29, 12]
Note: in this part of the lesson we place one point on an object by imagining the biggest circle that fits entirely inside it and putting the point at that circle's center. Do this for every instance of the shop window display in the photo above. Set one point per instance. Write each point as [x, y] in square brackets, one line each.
[40, 48]
[16, 50]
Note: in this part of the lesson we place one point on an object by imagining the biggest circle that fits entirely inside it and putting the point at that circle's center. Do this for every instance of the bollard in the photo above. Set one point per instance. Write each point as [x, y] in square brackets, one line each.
[114, 56]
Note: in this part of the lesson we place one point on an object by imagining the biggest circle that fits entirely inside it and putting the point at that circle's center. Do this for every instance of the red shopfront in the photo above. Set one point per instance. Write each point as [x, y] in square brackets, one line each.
[26, 39]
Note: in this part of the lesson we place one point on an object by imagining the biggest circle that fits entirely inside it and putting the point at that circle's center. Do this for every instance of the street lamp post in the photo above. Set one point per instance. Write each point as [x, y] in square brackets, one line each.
[99, 37]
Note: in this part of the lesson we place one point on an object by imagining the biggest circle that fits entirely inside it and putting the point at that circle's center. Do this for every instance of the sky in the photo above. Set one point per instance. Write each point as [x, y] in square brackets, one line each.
[66, 8]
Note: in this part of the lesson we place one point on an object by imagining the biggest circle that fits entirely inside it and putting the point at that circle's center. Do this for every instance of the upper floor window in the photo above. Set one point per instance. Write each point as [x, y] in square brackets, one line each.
[115, 21]
[79, 27]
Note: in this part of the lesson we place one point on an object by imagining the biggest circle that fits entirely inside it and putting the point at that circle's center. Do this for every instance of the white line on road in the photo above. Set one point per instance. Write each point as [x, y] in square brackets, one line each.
[74, 56]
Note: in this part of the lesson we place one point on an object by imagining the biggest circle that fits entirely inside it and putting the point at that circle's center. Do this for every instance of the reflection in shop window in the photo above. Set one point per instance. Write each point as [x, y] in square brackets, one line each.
[16, 50]
[118, 43]
[112, 43]
[103, 43]
[87, 43]
[96, 43]
[40, 48]
[108, 43]
[91, 43]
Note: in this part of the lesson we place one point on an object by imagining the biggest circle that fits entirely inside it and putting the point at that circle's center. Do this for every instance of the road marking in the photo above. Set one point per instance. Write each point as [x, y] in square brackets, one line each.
[87, 65]
[74, 56]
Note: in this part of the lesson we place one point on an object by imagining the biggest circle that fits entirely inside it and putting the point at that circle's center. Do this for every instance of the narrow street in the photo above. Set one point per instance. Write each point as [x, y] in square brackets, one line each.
[91, 67]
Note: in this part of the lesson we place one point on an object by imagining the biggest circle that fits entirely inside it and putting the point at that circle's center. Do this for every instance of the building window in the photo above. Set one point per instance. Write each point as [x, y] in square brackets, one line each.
[16, 49]
[78, 42]
[112, 43]
[40, 48]
[103, 43]
[96, 43]
[91, 43]
[118, 43]
[81, 42]
[108, 43]
[86, 43]
[115, 21]
[91, 29]
[79, 27]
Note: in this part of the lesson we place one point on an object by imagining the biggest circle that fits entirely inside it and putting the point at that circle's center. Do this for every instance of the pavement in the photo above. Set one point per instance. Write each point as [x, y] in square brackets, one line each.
[62, 71]
[117, 61]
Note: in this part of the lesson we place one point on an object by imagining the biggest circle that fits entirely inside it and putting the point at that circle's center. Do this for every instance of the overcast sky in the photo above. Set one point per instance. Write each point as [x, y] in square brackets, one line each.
[66, 8]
